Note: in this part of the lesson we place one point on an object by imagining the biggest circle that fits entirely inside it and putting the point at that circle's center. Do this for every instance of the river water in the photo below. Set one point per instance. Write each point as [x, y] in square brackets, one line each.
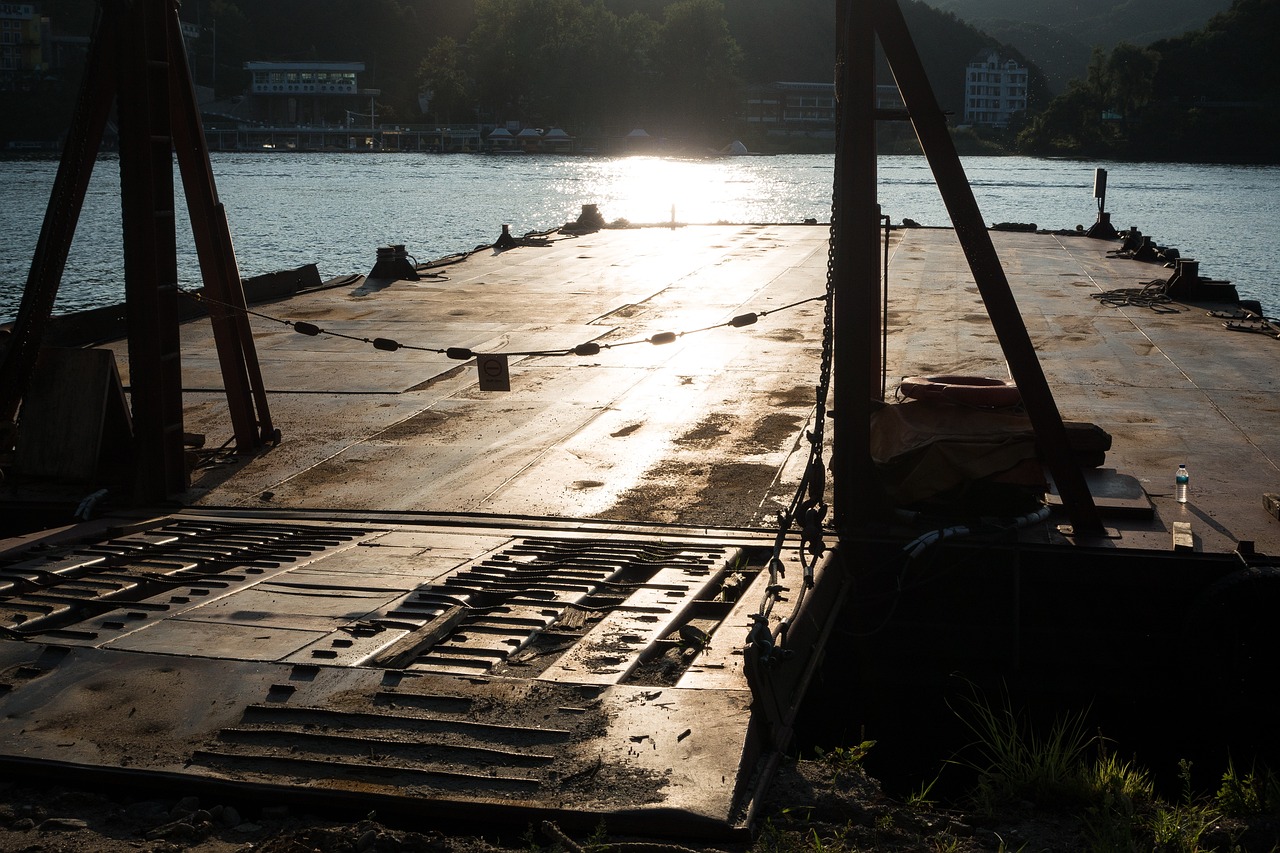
[289, 209]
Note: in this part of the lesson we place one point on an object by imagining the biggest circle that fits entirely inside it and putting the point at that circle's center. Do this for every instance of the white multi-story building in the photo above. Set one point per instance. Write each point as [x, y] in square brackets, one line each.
[994, 90]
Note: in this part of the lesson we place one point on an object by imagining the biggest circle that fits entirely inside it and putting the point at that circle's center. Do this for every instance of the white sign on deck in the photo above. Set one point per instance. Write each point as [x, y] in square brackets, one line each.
[495, 374]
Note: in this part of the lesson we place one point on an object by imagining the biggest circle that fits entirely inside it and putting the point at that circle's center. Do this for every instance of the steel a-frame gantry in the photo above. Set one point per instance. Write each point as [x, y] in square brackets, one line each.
[857, 368]
[137, 61]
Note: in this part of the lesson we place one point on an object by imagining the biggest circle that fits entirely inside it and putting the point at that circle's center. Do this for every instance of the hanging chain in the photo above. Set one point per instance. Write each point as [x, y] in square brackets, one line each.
[808, 506]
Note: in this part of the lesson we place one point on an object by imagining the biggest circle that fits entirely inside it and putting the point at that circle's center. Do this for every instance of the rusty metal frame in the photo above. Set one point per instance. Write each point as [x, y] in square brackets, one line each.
[856, 268]
[233, 338]
[858, 20]
[84, 137]
[150, 251]
[137, 48]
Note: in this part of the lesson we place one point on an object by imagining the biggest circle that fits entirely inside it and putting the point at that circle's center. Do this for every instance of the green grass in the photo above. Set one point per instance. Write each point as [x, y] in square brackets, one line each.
[845, 760]
[1063, 785]
[1015, 762]
[1245, 795]
[1118, 792]
[1066, 768]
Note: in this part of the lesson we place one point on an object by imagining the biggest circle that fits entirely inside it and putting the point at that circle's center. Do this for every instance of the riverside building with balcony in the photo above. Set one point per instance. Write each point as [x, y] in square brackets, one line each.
[994, 90]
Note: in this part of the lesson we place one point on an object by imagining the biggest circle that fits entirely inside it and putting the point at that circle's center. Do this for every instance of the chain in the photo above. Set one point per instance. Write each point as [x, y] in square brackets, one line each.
[828, 318]
[808, 506]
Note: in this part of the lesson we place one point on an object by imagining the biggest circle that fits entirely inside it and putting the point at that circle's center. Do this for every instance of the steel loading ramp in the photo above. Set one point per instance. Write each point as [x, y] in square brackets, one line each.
[448, 665]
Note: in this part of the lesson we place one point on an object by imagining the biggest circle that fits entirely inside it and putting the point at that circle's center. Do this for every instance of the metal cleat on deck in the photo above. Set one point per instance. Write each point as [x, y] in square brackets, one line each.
[392, 265]
[1186, 284]
[1131, 239]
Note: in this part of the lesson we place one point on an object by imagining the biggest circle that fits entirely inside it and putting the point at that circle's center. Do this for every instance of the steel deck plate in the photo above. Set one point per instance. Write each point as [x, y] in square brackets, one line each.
[496, 670]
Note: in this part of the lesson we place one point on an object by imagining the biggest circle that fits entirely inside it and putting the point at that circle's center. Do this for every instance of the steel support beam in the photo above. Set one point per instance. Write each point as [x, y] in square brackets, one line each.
[857, 497]
[237, 356]
[931, 129]
[136, 47]
[84, 137]
[150, 250]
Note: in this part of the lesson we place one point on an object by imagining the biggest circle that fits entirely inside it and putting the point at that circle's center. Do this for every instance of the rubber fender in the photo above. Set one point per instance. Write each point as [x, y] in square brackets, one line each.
[963, 390]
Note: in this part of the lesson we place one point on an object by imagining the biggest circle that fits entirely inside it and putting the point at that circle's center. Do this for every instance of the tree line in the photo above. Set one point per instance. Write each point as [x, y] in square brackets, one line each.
[1209, 95]
[672, 66]
[579, 64]
[675, 67]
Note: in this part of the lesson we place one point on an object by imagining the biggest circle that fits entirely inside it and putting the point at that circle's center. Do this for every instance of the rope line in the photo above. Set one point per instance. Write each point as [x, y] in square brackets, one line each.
[807, 507]
[589, 348]
[1153, 295]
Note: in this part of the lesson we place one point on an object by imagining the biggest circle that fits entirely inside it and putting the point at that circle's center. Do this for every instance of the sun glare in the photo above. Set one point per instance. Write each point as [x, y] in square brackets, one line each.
[656, 190]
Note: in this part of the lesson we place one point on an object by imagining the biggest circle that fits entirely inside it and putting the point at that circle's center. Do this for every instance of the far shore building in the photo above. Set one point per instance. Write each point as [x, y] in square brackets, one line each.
[994, 90]
[319, 106]
[21, 43]
[801, 109]
[288, 94]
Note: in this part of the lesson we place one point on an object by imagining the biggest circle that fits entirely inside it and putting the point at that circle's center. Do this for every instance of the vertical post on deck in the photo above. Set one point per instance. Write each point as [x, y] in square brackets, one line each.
[856, 270]
[150, 250]
[931, 129]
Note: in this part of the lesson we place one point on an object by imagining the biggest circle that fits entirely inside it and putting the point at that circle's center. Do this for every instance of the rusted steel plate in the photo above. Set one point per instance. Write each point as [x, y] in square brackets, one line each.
[452, 667]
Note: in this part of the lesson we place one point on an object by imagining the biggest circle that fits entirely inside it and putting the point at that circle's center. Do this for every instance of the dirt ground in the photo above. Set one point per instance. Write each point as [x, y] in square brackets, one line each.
[813, 806]
[809, 808]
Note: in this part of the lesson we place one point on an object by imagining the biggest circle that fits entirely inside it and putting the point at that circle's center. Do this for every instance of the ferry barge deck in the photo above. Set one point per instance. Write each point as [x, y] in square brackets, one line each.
[538, 598]
[515, 549]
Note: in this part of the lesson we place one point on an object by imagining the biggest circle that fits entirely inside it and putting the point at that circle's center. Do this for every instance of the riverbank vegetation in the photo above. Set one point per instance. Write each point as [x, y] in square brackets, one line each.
[677, 68]
[1019, 787]
[1208, 96]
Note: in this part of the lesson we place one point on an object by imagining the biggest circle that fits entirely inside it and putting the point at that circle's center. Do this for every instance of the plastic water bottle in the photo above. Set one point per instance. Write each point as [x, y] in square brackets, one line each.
[1180, 480]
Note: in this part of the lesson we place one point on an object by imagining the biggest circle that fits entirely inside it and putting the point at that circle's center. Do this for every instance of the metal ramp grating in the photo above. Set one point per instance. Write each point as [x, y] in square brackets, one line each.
[475, 620]
[451, 667]
[54, 594]
[510, 741]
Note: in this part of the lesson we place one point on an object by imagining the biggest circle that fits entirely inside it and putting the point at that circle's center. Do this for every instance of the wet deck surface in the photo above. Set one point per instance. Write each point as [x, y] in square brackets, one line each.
[1170, 388]
[695, 431]
[708, 430]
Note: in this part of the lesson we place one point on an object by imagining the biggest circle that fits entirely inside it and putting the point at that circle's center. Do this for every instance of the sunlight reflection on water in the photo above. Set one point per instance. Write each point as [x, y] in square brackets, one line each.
[333, 209]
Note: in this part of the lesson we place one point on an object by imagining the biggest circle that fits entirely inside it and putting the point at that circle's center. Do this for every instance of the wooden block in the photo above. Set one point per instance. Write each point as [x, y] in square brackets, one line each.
[74, 421]
[1272, 504]
[1183, 539]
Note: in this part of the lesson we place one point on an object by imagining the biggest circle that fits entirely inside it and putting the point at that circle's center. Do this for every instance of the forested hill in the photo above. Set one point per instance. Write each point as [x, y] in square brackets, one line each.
[792, 40]
[597, 65]
[1061, 35]
[1209, 95]
[1104, 22]
[796, 40]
